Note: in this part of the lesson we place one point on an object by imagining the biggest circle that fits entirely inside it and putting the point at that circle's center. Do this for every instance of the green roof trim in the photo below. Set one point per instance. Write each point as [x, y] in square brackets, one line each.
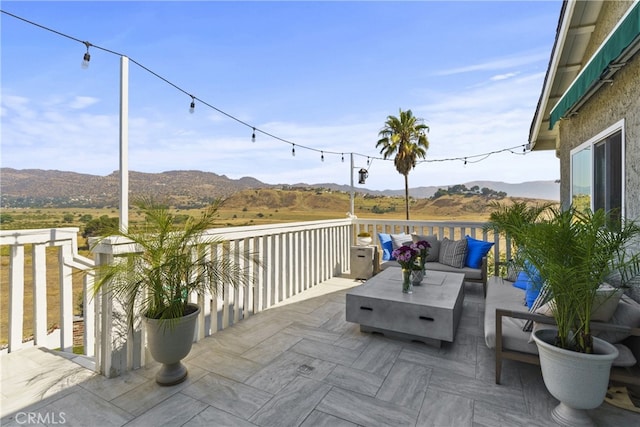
[622, 37]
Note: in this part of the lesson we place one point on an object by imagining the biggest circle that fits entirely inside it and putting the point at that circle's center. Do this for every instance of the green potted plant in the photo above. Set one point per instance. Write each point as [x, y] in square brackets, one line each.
[173, 260]
[508, 220]
[574, 252]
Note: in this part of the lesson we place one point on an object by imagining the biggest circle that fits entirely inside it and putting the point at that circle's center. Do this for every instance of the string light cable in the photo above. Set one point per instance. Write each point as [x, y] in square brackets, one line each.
[85, 62]
[480, 157]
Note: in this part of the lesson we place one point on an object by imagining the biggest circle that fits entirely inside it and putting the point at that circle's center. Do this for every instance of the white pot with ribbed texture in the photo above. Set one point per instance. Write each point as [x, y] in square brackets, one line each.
[364, 241]
[169, 341]
[578, 380]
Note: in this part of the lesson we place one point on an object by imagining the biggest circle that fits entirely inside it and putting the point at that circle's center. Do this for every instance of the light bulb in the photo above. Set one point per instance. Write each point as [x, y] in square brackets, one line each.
[253, 135]
[342, 157]
[322, 156]
[85, 60]
[293, 150]
[192, 107]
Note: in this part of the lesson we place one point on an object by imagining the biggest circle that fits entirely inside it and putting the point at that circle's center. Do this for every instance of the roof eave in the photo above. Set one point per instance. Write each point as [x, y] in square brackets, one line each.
[562, 30]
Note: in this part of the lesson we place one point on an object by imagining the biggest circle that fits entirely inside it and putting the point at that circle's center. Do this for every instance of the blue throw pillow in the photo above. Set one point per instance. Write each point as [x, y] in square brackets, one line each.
[476, 250]
[387, 246]
[531, 293]
[522, 280]
[534, 284]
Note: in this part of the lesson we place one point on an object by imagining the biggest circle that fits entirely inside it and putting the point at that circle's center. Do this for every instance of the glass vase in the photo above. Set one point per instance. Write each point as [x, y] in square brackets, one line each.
[416, 277]
[407, 286]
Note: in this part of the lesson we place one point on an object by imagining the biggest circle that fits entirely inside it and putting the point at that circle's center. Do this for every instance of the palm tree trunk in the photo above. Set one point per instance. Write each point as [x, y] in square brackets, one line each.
[406, 195]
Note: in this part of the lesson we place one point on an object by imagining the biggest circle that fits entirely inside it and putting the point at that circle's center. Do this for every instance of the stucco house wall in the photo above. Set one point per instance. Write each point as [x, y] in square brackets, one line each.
[612, 103]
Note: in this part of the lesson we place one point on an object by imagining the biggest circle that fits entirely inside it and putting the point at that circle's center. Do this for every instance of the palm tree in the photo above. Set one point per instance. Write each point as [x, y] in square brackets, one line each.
[405, 138]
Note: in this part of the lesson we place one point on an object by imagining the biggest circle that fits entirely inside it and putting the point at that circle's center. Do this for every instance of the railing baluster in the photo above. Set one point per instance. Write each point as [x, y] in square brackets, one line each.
[89, 315]
[261, 276]
[39, 269]
[249, 266]
[16, 295]
[226, 297]
[238, 296]
[66, 299]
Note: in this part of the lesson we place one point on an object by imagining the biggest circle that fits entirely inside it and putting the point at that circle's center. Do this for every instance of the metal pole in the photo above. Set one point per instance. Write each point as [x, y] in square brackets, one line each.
[124, 143]
[352, 189]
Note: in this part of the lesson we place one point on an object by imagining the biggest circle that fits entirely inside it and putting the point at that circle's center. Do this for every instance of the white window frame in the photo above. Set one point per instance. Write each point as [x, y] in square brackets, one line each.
[616, 127]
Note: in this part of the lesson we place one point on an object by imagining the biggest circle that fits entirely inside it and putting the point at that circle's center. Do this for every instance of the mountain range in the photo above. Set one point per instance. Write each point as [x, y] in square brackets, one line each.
[36, 187]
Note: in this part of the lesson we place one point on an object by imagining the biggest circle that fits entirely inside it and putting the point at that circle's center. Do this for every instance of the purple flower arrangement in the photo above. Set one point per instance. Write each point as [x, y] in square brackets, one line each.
[406, 256]
[423, 250]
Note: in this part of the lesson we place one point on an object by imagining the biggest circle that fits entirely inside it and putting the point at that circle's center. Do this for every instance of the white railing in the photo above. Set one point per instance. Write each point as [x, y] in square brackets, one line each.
[293, 257]
[66, 242]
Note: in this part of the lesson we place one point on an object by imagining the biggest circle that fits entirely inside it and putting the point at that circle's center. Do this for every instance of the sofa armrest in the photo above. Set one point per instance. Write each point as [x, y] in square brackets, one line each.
[484, 275]
[501, 353]
[596, 326]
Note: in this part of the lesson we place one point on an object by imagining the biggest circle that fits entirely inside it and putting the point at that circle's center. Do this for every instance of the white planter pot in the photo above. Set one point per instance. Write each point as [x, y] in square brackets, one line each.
[364, 241]
[169, 342]
[578, 380]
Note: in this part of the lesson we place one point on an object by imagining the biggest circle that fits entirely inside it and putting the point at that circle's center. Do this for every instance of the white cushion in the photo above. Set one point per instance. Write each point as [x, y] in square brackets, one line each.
[625, 356]
[400, 239]
[605, 304]
[434, 250]
[628, 314]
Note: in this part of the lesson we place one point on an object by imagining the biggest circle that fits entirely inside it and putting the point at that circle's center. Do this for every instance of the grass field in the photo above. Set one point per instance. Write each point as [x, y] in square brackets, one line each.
[250, 207]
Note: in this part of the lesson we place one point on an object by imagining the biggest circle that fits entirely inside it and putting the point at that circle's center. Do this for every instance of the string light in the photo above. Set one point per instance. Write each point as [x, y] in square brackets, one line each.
[465, 161]
[253, 135]
[87, 58]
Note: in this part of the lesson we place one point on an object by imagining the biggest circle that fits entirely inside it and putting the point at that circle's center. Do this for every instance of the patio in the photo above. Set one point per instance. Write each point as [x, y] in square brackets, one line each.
[298, 363]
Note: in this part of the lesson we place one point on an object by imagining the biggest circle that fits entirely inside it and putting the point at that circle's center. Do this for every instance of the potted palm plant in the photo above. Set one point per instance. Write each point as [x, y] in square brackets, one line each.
[509, 219]
[173, 260]
[575, 252]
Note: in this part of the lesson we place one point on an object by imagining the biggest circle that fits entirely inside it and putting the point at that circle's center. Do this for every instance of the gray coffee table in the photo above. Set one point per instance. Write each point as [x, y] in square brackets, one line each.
[430, 314]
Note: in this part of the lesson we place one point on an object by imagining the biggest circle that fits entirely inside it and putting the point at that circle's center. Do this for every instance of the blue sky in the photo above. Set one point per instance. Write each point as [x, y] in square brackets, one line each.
[324, 75]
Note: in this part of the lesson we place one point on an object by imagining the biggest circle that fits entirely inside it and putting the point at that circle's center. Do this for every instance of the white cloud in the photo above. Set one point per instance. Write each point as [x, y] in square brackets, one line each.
[514, 61]
[81, 102]
[504, 76]
[19, 105]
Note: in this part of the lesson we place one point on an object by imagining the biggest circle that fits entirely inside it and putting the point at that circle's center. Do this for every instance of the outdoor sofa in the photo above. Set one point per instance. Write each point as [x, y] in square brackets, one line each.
[504, 330]
[466, 256]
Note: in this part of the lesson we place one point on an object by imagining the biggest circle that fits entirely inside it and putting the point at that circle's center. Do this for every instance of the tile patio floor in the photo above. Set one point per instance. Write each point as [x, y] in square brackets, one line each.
[299, 364]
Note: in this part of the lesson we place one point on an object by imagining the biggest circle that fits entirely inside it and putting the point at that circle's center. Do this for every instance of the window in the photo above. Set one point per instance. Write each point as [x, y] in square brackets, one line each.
[607, 173]
[581, 178]
[597, 172]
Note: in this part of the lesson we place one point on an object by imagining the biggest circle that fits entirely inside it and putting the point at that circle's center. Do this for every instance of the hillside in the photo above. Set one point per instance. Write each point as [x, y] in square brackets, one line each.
[274, 205]
[546, 190]
[34, 187]
[51, 188]
[269, 204]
